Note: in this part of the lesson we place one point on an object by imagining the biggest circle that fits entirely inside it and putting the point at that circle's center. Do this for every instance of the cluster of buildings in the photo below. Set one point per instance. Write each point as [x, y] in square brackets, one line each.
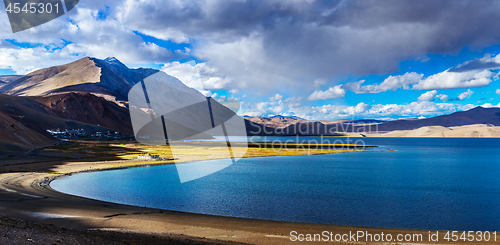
[86, 134]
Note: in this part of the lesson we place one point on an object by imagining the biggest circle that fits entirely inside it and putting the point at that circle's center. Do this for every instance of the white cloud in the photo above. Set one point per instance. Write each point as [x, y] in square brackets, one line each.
[452, 80]
[271, 107]
[428, 96]
[489, 105]
[292, 106]
[379, 111]
[276, 97]
[262, 108]
[15, 59]
[467, 75]
[331, 93]
[401, 81]
[199, 76]
[443, 97]
[414, 81]
[485, 63]
[465, 95]
[498, 91]
[391, 83]
[359, 108]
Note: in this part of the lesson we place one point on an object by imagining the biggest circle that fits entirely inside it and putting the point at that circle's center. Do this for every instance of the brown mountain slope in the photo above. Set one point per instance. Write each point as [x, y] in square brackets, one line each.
[45, 81]
[107, 77]
[87, 108]
[24, 121]
[7, 79]
[14, 136]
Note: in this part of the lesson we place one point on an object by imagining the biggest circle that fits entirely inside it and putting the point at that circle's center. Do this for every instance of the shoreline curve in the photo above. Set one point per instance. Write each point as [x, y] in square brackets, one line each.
[27, 195]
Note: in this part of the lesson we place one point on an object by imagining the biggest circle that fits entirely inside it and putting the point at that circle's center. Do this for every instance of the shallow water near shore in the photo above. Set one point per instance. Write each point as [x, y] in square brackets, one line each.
[426, 183]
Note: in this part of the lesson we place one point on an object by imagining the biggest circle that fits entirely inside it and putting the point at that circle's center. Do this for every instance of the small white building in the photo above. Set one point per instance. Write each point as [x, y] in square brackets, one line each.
[149, 157]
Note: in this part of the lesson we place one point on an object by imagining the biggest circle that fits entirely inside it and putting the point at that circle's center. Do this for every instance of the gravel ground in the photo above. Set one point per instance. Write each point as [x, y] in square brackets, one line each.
[15, 231]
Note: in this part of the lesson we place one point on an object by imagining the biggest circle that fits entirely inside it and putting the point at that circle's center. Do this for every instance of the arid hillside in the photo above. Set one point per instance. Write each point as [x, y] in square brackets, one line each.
[24, 121]
[107, 77]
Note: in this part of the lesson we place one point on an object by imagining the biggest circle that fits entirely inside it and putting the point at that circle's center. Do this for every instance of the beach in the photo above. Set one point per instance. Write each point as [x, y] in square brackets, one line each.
[25, 194]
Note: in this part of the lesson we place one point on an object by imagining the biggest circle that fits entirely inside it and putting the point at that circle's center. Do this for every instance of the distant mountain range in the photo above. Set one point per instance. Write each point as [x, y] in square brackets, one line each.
[277, 121]
[489, 117]
[478, 115]
[91, 92]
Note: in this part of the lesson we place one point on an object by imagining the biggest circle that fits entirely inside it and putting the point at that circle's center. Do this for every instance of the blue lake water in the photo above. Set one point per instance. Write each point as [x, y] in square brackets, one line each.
[437, 183]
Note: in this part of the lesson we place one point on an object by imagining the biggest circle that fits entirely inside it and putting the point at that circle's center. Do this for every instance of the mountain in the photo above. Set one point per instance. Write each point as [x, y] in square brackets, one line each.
[478, 115]
[107, 77]
[14, 136]
[87, 108]
[474, 130]
[10, 78]
[475, 116]
[82, 95]
[24, 121]
[276, 121]
[6, 79]
[111, 80]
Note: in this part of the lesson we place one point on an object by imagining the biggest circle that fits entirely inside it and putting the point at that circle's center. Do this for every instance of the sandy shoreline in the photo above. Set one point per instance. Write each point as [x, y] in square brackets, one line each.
[25, 194]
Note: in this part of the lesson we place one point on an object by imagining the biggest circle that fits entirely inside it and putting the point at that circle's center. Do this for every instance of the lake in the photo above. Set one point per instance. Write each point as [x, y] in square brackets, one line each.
[425, 183]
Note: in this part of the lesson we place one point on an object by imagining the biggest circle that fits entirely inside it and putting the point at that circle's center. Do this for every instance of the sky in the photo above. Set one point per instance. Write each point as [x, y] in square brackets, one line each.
[322, 60]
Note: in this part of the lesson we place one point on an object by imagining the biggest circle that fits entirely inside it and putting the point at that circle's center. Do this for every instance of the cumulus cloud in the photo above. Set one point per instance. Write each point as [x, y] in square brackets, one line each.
[359, 108]
[276, 97]
[265, 108]
[15, 59]
[452, 80]
[331, 93]
[428, 96]
[198, 76]
[391, 83]
[380, 111]
[414, 81]
[484, 63]
[443, 97]
[294, 107]
[465, 95]
[489, 105]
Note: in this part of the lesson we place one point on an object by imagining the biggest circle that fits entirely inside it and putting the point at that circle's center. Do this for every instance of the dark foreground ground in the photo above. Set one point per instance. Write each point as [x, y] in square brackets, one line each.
[16, 231]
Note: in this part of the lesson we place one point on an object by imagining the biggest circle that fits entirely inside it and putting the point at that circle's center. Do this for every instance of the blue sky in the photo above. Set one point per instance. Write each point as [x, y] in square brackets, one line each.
[313, 59]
